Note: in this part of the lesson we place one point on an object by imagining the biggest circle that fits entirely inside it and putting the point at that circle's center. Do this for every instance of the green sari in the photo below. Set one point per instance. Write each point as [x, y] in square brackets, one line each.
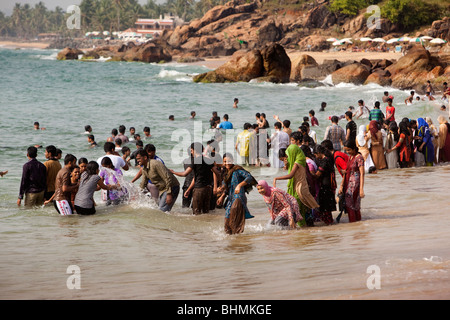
[296, 155]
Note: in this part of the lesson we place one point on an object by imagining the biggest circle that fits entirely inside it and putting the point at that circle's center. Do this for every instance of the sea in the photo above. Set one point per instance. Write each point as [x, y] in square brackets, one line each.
[398, 251]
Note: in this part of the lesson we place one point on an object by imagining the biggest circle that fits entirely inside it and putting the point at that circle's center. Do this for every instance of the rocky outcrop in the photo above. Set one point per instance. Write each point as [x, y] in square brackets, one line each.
[298, 64]
[380, 77]
[321, 71]
[224, 30]
[148, 52]
[243, 66]
[440, 29]
[355, 73]
[415, 68]
[270, 64]
[151, 51]
[277, 65]
[69, 54]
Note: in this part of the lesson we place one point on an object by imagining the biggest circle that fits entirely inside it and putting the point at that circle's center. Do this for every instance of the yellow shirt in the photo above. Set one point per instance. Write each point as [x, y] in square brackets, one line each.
[243, 139]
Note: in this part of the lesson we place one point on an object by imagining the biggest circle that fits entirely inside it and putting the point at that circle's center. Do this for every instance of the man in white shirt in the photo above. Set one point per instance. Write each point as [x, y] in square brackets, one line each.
[118, 161]
[279, 140]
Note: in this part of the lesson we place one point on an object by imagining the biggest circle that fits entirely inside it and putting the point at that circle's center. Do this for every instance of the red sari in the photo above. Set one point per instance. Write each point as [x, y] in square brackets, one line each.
[352, 182]
[405, 150]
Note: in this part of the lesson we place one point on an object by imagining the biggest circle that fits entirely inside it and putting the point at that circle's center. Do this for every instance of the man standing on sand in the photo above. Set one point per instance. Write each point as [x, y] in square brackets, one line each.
[34, 180]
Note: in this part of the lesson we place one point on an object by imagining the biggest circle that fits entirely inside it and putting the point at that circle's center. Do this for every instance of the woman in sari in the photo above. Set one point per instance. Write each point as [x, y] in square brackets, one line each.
[297, 186]
[283, 207]
[426, 147]
[391, 140]
[235, 185]
[403, 144]
[444, 140]
[363, 144]
[352, 185]
[377, 150]
[326, 175]
[434, 136]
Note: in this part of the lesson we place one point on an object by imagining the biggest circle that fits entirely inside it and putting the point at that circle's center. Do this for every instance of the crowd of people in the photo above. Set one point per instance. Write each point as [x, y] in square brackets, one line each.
[213, 181]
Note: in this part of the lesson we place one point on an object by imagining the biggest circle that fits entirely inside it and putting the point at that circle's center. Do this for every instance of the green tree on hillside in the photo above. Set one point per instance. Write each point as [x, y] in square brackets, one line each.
[351, 7]
[409, 14]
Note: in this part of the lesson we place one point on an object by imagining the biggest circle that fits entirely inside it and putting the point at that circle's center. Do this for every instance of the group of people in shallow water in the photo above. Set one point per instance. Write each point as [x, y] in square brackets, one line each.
[213, 181]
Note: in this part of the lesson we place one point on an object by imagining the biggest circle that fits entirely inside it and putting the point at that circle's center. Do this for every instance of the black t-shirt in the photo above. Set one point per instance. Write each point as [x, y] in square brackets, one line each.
[353, 130]
[203, 174]
[133, 156]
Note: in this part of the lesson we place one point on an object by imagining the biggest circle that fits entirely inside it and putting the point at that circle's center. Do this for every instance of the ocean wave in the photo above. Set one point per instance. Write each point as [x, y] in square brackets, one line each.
[45, 56]
[174, 75]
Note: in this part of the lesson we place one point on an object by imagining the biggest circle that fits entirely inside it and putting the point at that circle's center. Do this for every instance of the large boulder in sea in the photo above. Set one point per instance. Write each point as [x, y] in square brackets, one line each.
[299, 63]
[380, 77]
[355, 73]
[69, 54]
[148, 52]
[243, 66]
[270, 64]
[416, 67]
[321, 71]
[277, 64]
[210, 77]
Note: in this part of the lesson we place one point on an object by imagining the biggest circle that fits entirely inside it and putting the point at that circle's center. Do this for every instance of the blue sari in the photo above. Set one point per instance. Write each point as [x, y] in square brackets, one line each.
[424, 133]
[237, 177]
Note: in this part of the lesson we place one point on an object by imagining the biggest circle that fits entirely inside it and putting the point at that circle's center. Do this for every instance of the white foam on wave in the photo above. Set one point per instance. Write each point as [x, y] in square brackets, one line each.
[348, 85]
[46, 56]
[174, 75]
[328, 80]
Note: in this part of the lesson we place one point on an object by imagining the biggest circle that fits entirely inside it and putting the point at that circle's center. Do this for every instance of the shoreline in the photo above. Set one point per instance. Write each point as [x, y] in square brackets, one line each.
[319, 56]
[215, 62]
[24, 44]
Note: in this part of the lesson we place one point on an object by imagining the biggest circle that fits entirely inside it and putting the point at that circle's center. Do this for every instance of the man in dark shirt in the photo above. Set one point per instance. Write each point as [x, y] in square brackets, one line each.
[350, 128]
[202, 181]
[34, 180]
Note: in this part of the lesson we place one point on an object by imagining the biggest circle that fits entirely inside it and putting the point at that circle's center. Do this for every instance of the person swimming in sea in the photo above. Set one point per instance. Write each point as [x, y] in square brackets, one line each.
[236, 101]
[37, 126]
[410, 99]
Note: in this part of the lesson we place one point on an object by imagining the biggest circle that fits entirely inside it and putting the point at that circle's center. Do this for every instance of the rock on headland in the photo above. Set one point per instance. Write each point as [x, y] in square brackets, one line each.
[270, 64]
[151, 51]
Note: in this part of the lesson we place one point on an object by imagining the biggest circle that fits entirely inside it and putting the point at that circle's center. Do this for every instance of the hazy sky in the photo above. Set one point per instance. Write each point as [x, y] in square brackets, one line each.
[6, 6]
